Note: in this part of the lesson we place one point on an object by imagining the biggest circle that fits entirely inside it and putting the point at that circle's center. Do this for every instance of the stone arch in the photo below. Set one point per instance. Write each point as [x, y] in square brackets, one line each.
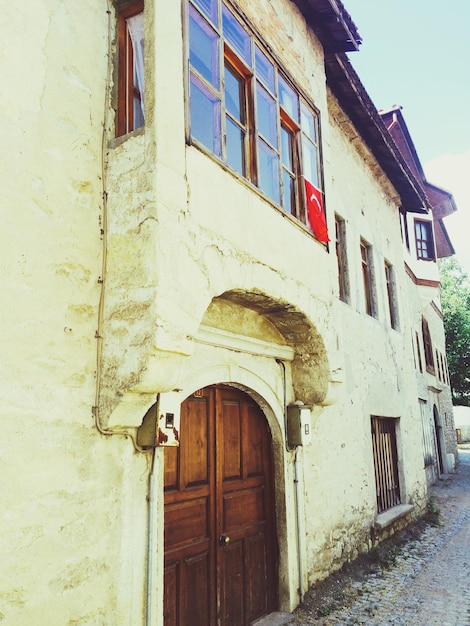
[310, 368]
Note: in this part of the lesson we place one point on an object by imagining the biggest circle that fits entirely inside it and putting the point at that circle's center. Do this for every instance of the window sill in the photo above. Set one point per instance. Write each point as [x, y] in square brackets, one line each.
[117, 141]
[392, 515]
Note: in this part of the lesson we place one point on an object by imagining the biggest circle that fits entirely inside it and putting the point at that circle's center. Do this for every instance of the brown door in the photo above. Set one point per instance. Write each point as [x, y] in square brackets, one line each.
[220, 537]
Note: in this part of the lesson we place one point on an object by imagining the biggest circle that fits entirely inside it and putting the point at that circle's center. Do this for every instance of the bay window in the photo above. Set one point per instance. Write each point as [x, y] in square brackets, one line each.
[244, 111]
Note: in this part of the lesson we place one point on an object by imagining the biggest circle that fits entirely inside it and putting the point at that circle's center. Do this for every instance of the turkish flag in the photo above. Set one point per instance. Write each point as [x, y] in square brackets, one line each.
[316, 214]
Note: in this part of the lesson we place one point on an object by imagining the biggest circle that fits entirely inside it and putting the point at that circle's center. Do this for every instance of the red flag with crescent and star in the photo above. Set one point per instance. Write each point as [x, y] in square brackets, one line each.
[316, 214]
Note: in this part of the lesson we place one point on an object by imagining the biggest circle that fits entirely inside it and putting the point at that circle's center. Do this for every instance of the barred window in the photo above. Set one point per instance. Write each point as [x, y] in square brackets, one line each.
[384, 447]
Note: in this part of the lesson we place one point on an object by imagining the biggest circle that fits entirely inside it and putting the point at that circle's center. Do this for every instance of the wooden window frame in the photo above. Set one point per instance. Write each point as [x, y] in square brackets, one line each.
[418, 347]
[428, 349]
[391, 294]
[342, 259]
[368, 278]
[425, 248]
[126, 88]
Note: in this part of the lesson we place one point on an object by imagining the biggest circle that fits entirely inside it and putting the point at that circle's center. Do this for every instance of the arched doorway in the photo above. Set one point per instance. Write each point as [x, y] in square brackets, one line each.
[221, 551]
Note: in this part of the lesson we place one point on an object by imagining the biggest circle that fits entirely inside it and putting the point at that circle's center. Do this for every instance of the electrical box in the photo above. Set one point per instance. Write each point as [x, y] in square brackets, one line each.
[299, 425]
[168, 425]
[161, 424]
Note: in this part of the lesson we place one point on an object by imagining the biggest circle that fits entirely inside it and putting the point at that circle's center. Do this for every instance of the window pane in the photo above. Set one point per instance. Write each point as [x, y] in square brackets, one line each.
[234, 89]
[289, 99]
[209, 8]
[288, 193]
[309, 162]
[203, 53]
[138, 113]
[286, 147]
[266, 115]
[264, 69]
[235, 147]
[308, 123]
[268, 171]
[205, 116]
[236, 35]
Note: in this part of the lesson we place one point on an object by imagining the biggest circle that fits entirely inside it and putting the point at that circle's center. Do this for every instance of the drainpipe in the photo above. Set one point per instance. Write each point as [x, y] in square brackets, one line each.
[152, 485]
[296, 489]
[300, 543]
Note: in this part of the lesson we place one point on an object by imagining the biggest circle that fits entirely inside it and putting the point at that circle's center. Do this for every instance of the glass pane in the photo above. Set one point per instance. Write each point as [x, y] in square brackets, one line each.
[203, 53]
[268, 172]
[209, 8]
[235, 151]
[288, 192]
[310, 161]
[205, 116]
[286, 147]
[138, 113]
[308, 122]
[233, 95]
[236, 35]
[266, 115]
[289, 99]
[264, 69]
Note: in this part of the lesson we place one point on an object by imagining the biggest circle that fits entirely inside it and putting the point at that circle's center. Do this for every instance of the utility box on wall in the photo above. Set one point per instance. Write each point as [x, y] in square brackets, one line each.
[168, 425]
[161, 423]
[299, 427]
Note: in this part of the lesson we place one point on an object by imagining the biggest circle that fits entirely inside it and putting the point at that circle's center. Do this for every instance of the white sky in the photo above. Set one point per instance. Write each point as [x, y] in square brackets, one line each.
[416, 53]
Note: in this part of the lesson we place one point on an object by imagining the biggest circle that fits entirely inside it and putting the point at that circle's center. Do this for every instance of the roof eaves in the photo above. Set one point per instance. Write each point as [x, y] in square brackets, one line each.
[331, 23]
[348, 89]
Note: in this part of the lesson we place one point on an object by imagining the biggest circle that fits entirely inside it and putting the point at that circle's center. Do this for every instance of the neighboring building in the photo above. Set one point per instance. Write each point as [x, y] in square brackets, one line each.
[162, 284]
[425, 241]
[462, 423]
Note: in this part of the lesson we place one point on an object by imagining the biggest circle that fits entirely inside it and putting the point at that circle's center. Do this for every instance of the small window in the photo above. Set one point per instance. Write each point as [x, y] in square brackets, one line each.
[391, 294]
[429, 450]
[428, 351]
[384, 448]
[418, 348]
[368, 278]
[405, 235]
[130, 105]
[342, 259]
[424, 241]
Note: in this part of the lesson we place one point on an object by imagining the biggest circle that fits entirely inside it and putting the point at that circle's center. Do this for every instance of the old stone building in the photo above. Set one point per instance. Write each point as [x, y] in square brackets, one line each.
[210, 378]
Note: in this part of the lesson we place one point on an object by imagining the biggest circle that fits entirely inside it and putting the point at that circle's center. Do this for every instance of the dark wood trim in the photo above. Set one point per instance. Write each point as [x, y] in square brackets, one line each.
[422, 282]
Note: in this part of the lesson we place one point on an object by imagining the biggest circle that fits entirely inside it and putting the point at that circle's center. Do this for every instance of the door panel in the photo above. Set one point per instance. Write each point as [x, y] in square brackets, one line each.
[220, 539]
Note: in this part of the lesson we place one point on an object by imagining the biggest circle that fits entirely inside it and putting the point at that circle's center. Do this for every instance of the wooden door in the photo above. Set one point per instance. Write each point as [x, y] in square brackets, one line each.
[220, 536]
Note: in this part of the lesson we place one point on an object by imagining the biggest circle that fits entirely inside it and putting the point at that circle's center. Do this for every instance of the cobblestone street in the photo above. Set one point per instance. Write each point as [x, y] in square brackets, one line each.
[429, 582]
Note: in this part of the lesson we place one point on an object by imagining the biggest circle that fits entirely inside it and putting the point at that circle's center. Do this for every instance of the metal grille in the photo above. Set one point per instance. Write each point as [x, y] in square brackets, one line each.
[384, 445]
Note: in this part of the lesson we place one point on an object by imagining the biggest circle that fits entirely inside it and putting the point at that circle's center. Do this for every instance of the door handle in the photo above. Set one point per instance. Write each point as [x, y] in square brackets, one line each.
[224, 540]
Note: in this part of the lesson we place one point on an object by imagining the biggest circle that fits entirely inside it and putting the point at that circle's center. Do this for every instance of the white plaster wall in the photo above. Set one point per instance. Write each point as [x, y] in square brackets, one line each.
[376, 370]
[70, 510]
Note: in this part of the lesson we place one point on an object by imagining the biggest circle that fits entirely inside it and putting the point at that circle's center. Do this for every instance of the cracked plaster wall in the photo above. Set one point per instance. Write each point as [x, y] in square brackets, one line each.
[69, 496]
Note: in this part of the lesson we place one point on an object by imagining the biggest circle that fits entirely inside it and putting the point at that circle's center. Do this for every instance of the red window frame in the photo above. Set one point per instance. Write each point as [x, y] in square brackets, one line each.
[127, 89]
